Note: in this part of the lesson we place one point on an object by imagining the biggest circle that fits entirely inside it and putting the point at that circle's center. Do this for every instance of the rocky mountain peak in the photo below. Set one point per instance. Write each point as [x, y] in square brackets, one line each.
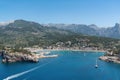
[117, 25]
[93, 26]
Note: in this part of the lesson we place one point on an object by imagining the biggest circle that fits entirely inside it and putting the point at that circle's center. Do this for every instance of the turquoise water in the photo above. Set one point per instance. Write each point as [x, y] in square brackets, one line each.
[70, 65]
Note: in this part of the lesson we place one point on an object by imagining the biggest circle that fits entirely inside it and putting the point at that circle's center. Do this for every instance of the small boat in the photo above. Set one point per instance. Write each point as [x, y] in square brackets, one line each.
[96, 65]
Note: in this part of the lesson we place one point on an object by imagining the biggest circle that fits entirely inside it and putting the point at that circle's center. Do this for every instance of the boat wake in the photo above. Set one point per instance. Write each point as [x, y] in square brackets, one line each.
[22, 73]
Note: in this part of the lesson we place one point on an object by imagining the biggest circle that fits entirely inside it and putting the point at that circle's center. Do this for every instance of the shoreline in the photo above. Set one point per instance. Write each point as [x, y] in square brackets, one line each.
[37, 53]
[78, 50]
[37, 50]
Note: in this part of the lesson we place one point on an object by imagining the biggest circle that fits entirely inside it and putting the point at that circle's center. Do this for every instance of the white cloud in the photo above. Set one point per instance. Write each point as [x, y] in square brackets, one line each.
[6, 23]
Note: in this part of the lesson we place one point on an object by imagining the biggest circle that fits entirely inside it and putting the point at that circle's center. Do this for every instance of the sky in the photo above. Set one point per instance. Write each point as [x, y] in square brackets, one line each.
[103, 13]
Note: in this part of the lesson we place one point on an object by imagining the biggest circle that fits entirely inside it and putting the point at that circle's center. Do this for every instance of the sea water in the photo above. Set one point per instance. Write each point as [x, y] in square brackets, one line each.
[69, 65]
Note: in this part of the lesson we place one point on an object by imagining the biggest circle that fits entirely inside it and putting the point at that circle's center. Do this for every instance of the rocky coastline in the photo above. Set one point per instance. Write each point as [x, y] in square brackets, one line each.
[18, 57]
[34, 57]
[114, 59]
[111, 56]
[22, 57]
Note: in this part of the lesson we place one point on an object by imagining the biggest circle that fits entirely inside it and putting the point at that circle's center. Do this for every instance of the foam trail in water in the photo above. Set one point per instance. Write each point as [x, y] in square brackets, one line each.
[22, 73]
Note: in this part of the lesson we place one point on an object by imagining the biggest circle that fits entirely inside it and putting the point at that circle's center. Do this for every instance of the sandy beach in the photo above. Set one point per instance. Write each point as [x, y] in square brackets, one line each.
[47, 50]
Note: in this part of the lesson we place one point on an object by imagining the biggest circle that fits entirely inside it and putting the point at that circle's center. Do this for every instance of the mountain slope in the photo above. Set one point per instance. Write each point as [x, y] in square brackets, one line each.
[26, 33]
[113, 32]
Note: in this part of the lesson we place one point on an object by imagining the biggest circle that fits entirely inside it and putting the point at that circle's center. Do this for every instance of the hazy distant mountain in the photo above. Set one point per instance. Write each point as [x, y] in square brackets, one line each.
[113, 32]
[77, 28]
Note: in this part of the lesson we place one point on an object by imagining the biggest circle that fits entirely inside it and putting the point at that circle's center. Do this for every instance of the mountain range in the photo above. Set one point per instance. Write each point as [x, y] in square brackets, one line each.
[112, 32]
[22, 33]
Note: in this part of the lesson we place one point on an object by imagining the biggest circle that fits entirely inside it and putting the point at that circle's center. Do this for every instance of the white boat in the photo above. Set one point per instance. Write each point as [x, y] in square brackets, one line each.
[96, 65]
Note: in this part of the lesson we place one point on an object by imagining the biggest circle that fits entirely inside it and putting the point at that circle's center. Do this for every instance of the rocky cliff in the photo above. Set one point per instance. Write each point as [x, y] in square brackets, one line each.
[18, 57]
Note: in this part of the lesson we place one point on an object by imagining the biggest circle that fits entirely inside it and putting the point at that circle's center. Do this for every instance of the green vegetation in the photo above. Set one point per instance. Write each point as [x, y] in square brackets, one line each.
[20, 51]
[21, 34]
